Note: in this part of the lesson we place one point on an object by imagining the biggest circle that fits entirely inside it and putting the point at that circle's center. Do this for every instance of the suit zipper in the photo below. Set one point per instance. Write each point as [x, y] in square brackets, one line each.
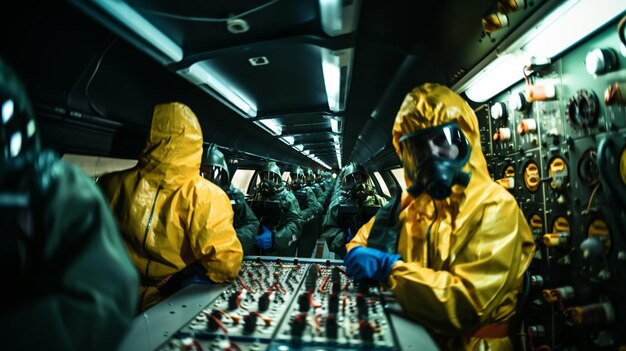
[145, 236]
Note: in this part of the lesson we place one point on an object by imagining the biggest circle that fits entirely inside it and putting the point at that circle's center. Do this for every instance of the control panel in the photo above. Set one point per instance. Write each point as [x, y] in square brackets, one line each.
[286, 303]
[557, 142]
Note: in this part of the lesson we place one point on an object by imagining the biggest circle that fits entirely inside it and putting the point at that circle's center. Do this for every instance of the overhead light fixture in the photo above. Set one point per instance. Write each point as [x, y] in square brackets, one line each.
[569, 23]
[338, 19]
[299, 147]
[270, 126]
[140, 26]
[306, 152]
[336, 138]
[336, 67]
[334, 125]
[499, 75]
[200, 74]
[289, 140]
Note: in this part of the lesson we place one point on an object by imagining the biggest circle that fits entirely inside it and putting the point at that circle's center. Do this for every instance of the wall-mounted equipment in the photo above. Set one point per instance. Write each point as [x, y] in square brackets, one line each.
[558, 173]
[526, 125]
[518, 102]
[502, 134]
[569, 23]
[532, 180]
[601, 61]
[560, 235]
[583, 109]
[508, 179]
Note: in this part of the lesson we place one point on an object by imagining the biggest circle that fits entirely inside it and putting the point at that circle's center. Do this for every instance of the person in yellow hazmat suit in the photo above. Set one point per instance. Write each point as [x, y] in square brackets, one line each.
[456, 248]
[168, 214]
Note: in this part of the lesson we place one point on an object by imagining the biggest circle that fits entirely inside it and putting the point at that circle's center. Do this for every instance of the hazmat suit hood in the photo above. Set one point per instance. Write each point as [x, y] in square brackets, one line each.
[432, 105]
[174, 147]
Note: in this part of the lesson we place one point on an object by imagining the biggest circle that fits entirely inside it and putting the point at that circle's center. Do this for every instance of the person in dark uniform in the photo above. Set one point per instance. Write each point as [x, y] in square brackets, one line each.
[279, 214]
[357, 203]
[311, 210]
[215, 169]
[68, 282]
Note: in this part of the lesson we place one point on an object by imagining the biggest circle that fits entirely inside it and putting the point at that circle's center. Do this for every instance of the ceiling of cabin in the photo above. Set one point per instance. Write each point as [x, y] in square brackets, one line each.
[86, 58]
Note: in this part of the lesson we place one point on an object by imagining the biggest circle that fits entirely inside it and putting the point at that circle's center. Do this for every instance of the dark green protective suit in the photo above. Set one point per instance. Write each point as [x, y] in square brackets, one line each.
[245, 222]
[289, 228]
[332, 231]
[70, 284]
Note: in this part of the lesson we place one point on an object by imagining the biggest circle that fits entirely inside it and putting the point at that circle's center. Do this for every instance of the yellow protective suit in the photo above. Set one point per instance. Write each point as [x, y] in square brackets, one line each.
[480, 243]
[169, 215]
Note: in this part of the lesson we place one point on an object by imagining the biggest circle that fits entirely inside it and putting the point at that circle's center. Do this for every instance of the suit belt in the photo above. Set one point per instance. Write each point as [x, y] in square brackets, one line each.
[491, 331]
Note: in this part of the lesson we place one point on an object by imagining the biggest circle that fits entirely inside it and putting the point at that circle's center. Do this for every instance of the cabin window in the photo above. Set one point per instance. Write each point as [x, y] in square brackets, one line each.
[96, 166]
[241, 179]
[398, 173]
[382, 184]
[286, 176]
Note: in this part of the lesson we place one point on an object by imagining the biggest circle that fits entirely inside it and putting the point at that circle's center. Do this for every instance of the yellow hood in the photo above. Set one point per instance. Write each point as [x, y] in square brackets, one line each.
[431, 105]
[174, 147]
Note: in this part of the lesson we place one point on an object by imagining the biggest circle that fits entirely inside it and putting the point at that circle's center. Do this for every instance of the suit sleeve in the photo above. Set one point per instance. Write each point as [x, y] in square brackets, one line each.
[487, 270]
[291, 225]
[248, 223]
[331, 232]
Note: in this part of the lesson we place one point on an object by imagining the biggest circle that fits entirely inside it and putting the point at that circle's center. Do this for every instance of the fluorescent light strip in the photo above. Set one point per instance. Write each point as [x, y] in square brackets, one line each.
[331, 16]
[138, 24]
[270, 126]
[287, 140]
[334, 125]
[569, 23]
[499, 75]
[299, 147]
[199, 74]
[332, 78]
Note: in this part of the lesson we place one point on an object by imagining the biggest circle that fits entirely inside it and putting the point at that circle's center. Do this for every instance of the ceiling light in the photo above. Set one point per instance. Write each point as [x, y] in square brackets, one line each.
[270, 126]
[298, 147]
[334, 125]
[199, 74]
[569, 23]
[287, 140]
[497, 76]
[338, 19]
[306, 152]
[336, 138]
[336, 67]
[138, 24]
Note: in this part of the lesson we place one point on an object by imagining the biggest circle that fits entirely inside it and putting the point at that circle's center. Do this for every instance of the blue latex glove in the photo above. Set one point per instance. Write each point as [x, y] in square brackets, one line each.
[365, 263]
[350, 236]
[264, 240]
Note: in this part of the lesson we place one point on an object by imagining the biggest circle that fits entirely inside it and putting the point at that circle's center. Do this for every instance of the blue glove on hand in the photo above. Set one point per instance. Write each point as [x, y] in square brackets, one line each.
[264, 240]
[350, 236]
[366, 263]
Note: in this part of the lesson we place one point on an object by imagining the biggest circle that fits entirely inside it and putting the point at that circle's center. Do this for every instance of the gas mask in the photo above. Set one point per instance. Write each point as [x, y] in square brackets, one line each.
[217, 175]
[271, 183]
[214, 168]
[434, 158]
[297, 179]
[354, 183]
